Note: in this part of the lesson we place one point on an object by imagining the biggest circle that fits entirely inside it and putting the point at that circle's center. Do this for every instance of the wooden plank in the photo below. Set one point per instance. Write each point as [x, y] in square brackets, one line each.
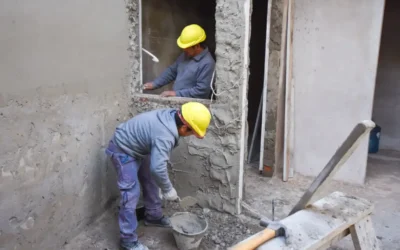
[253, 138]
[363, 235]
[341, 155]
[141, 44]
[289, 100]
[321, 224]
[265, 88]
[336, 239]
[280, 113]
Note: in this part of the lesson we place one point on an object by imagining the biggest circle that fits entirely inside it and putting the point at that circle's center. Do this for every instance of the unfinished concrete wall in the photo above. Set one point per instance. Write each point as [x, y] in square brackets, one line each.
[387, 90]
[336, 46]
[64, 72]
[211, 168]
[162, 24]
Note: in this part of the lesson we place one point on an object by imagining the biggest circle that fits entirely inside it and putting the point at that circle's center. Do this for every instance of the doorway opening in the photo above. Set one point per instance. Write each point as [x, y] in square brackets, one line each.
[384, 146]
[256, 79]
[162, 23]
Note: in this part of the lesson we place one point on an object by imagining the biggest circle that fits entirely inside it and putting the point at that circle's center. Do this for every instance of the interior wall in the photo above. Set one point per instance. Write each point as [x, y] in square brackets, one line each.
[64, 79]
[211, 169]
[335, 55]
[162, 24]
[387, 91]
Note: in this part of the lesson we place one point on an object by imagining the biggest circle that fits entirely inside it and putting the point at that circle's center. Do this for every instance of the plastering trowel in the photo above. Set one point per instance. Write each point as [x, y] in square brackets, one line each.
[187, 202]
[184, 203]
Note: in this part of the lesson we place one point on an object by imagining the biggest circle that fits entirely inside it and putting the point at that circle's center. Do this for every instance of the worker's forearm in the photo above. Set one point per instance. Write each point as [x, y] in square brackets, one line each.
[158, 162]
[162, 179]
[167, 76]
[194, 92]
[164, 79]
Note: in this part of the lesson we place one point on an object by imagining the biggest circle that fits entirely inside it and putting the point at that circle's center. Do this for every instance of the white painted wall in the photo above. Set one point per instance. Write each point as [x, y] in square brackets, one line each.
[336, 45]
[386, 110]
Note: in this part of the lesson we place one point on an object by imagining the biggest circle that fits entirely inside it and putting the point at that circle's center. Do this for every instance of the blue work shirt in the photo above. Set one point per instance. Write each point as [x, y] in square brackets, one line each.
[192, 75]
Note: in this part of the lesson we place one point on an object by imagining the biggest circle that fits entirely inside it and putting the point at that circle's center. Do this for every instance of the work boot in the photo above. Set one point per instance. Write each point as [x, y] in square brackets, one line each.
[162, 222]
[133, 246]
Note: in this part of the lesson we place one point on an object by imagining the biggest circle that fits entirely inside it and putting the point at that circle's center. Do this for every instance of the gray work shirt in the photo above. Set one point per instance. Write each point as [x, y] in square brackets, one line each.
[151, 133]
[192, 75]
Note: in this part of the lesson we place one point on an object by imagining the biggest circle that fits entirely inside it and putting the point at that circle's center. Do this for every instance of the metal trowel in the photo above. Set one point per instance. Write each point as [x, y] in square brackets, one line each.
[187, 202]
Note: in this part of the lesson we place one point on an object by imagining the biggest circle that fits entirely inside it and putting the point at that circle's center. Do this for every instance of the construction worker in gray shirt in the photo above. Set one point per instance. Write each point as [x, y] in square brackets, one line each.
[139, 151]
[192, 71]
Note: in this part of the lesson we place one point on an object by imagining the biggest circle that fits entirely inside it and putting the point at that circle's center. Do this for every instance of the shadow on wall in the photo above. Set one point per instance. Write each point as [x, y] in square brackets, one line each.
[162, 23]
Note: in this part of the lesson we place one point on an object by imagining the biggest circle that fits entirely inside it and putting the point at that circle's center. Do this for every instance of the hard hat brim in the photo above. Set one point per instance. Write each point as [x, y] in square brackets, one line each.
[187, 45]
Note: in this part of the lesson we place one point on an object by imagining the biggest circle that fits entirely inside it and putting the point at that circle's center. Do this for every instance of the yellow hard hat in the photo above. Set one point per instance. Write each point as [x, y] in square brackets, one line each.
[191, 35]
[197, 117]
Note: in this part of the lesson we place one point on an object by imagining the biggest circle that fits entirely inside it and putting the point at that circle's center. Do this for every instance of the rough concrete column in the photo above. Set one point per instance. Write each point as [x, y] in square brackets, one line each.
[133, 10]
[273, 82]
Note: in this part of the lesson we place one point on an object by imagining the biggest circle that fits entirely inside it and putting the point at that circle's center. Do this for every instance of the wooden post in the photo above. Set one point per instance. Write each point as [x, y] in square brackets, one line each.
[280, 121]
[289, 103]
[363, 235]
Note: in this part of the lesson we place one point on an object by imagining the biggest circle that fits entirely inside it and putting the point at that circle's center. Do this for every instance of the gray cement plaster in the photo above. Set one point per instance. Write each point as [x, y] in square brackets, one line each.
[64, 79]
[205, 168]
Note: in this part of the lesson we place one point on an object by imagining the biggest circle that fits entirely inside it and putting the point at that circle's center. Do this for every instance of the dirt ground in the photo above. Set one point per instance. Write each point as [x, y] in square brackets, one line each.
[382, 187]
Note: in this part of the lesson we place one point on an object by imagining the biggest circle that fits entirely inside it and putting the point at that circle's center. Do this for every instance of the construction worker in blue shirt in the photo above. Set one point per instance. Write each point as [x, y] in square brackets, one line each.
[139, 151]
[192, 71]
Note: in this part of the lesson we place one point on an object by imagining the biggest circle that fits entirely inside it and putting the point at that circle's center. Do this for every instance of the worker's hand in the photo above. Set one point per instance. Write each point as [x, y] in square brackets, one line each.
[148, 86]
[168, 93]
[171, 195]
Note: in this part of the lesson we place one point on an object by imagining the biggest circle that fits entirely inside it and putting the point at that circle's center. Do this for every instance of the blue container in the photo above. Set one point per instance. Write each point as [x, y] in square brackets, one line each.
[374, 138]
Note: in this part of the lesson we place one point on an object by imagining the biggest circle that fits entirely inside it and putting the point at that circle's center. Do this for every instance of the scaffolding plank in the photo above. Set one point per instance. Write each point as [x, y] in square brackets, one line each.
[321, 224]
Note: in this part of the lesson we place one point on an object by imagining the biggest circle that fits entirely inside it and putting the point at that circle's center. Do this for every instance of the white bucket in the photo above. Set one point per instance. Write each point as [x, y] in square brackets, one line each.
[188, 230]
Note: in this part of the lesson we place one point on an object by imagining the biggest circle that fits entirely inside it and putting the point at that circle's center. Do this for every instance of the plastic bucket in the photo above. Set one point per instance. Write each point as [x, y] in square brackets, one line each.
[188, 230]
[374, 138]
